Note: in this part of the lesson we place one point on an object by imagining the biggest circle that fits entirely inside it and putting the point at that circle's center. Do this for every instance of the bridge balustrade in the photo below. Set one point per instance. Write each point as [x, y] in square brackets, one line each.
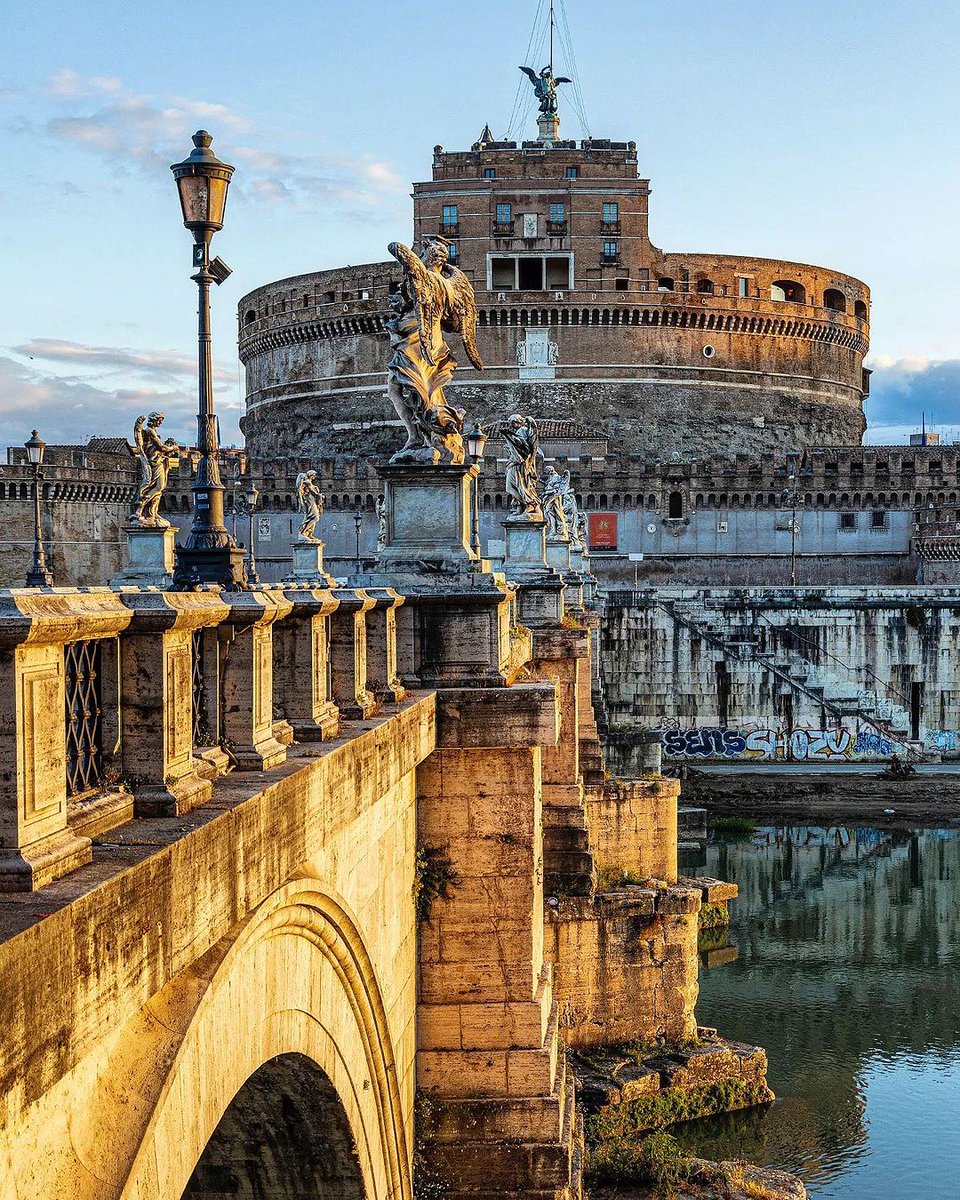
[116, 704]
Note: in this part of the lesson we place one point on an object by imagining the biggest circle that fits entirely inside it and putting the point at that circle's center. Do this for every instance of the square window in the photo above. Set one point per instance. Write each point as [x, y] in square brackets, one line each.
[572, 173]
[611, 213]
[489, 172]
[878, 520]
[622, 285]
[848, 522]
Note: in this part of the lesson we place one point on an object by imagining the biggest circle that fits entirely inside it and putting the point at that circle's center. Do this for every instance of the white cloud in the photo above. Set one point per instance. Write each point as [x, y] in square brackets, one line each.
[152, 132]
[163, 364]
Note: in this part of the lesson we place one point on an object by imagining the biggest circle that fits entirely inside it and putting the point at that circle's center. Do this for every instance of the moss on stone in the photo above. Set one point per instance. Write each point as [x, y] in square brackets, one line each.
[670, 1106]
[655, 1161]
[714, 916]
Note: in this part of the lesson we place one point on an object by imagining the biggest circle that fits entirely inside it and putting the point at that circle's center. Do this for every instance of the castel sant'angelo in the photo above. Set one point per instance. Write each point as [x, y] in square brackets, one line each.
[582, 319]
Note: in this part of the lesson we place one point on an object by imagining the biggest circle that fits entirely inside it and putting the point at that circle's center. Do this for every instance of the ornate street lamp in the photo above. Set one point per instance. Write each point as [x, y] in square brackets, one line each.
[476, 443]
[250, 497]
[210, 554]
[358, 525]
[38, 575]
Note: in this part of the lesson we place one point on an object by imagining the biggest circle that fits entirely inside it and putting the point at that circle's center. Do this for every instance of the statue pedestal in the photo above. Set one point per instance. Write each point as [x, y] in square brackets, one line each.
[558, 554]
[308, 564]
[427, 510]
[149, 556]
[454, 628]
[548, 126]
[539, 585]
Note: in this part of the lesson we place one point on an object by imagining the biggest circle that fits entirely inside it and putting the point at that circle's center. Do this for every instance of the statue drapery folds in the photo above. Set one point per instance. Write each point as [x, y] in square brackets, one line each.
[156, 459]
[434, 298]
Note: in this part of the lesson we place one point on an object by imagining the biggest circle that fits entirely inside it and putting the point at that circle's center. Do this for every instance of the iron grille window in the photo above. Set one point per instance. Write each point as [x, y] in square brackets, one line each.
[84, 726]
[199, 689]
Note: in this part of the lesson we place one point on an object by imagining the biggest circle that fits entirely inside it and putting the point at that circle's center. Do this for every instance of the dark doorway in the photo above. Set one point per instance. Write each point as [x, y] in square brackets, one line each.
[675, 506]
[916, 709]
[285, 1136]
[531, 274]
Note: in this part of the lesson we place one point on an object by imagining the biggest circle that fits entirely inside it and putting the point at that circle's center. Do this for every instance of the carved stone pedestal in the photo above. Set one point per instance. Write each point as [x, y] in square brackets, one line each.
[308, 564]
[149, 558]
[540, 595]
[558, 554]
[454, 629]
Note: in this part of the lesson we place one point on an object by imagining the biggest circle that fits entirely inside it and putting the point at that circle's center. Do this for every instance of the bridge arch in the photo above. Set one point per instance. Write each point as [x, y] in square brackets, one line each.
[291, 994]
[309, 996]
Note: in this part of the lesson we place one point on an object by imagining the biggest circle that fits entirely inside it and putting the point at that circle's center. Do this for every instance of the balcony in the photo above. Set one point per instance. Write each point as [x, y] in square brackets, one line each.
[610, 226]
[450, 229]
[557, 228]
[503, 228]
[610, 260]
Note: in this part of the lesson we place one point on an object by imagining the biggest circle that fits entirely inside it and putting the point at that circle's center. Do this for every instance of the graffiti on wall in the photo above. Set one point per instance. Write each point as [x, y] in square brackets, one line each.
[761, 743]
[760, 739]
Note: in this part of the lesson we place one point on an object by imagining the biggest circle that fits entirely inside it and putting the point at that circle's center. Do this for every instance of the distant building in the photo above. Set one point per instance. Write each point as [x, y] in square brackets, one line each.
[582, 318]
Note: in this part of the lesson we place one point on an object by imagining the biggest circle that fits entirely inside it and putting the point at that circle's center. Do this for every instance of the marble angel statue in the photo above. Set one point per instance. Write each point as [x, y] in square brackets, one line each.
[523, 466]
[435, 298]
[156, 459]
[552, 502]
[310, 501]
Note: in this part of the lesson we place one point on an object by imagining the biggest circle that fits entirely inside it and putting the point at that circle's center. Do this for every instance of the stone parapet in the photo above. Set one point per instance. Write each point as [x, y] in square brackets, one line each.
[36, 843]
[301, 664]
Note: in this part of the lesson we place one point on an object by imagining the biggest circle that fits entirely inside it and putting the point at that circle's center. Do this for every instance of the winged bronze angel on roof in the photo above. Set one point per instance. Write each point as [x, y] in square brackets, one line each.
[434, 298]
[545, 87]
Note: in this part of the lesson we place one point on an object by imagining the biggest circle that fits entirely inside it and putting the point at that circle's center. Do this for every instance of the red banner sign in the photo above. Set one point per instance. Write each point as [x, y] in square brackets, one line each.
[603, 531]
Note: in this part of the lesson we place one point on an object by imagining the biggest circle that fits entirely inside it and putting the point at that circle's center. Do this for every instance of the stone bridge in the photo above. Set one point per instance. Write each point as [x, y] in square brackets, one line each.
[301, 892]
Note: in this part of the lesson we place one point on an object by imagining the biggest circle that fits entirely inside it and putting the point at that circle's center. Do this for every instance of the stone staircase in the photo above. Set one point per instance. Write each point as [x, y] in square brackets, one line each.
[837, 691]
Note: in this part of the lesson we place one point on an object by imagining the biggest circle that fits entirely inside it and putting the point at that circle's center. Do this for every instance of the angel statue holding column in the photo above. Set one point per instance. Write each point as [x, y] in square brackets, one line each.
[434, 298]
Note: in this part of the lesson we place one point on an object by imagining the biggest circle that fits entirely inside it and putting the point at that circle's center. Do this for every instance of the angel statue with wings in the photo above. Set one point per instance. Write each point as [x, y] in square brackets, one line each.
[545, 88]
[434, 298]
[552, 503]
[310, 501]
[156, 459]
[523, 465]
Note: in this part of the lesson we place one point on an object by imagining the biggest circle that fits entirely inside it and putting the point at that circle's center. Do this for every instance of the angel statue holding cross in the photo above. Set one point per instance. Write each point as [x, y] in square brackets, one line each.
[434, 298]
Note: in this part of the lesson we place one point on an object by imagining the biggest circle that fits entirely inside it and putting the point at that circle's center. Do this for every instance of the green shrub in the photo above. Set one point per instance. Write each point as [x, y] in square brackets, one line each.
[655, 1161]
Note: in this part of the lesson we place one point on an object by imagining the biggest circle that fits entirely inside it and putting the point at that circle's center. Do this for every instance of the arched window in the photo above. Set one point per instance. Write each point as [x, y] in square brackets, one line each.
[705, 287]
[675, 506]
[788, 289]
[832, 298]
[249, 317]
[860, 309]
[486, 504]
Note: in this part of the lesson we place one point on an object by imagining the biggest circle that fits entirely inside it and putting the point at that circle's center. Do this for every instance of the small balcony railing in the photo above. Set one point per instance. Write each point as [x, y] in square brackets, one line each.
[449, 228]
[610, 260]
[556, 227]
[503, 228]
[610, 226]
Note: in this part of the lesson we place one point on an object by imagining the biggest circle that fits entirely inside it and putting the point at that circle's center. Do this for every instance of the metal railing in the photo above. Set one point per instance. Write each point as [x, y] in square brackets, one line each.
[84, 713]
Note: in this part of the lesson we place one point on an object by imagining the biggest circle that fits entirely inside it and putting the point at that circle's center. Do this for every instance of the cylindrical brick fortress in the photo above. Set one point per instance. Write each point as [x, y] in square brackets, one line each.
[581, 318]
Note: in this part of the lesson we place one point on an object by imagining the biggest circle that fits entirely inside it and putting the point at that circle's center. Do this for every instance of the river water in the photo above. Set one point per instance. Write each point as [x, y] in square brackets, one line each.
[844, 962]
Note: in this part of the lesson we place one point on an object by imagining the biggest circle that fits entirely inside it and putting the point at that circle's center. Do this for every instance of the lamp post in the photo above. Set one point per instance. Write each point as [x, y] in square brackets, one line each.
[38, 575]
[250, 497]
[358, 526]
[793, 472]
[210, 554]
[476, 443]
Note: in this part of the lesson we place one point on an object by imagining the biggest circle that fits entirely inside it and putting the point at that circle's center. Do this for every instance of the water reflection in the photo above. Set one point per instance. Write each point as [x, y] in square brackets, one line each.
[848, 947]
